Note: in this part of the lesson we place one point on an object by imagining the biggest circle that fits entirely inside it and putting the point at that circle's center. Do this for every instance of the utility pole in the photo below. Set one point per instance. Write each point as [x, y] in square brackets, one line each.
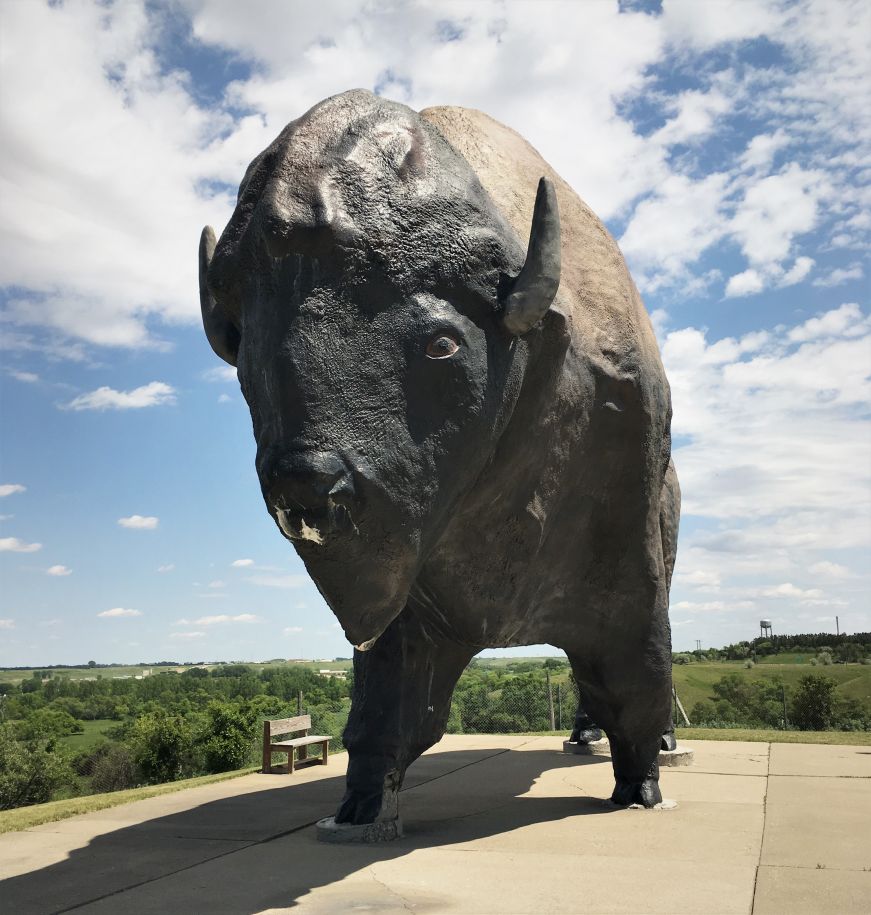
[550, 701]
[698, 644]
[837, 627]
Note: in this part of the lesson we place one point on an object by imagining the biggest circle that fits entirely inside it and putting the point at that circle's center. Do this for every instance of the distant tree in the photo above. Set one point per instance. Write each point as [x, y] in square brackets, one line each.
[92, 663]
[813, 703]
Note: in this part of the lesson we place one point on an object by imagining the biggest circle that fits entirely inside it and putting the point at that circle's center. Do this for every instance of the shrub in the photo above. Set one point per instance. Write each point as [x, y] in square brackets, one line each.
[813, 703]
[749, 664]
[162, 747]
[30, 770]
[228, 737]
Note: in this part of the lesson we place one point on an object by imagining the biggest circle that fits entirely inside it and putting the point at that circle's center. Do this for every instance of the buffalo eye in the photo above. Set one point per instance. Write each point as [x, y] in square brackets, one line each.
[441, 346]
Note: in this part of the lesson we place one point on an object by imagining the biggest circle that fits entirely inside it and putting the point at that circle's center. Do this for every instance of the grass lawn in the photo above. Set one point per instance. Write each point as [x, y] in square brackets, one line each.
[694, 682]
[25, 817]
[842, 738]
[93, 733]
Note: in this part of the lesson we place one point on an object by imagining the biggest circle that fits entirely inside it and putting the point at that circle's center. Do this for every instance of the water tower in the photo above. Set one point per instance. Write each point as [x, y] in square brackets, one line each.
[764, 629]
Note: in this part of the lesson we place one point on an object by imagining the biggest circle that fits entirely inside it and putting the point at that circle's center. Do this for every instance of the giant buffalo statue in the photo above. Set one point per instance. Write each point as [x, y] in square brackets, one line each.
[464, 436]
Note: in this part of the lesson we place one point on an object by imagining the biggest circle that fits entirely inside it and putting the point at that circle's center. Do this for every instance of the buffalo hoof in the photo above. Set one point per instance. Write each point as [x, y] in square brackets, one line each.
[645, 794]
[328, 830]
[587, 735]
[668, 742]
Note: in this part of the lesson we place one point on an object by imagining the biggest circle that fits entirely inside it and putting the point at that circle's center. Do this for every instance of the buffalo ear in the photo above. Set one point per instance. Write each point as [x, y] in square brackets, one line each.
[535, 287]
[222, 333]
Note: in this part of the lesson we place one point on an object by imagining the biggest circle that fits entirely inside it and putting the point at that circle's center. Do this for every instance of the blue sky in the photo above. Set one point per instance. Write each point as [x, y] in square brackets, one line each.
[727, 146]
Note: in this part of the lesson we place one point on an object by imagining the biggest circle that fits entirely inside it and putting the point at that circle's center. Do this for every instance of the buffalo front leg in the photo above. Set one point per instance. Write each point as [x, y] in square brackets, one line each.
[585, 730]
[400, 705]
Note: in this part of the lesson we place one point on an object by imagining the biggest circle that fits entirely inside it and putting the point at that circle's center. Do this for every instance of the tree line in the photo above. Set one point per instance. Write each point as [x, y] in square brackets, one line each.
[168, 726]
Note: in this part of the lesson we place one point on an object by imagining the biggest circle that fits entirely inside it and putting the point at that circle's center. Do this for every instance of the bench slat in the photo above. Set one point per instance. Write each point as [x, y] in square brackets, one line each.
[299, 741]
[286, 725]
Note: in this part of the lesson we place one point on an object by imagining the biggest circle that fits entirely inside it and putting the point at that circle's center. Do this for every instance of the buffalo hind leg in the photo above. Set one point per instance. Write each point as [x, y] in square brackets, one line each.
[631, 702]
[400, 705]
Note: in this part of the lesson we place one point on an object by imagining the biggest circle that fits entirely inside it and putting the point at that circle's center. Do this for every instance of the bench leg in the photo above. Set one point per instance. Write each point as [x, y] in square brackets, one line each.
[325, 752]
[290, 761]
[303, 752]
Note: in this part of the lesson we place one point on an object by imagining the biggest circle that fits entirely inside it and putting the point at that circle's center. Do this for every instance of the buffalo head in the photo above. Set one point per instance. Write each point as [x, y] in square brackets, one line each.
[378, 309]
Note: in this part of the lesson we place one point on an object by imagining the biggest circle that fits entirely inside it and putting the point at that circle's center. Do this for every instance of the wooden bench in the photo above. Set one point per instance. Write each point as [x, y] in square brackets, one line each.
[300, 724]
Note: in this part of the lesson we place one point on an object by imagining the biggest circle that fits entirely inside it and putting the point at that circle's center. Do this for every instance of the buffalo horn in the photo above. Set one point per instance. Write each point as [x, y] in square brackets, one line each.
[222, 333]
[535, 286]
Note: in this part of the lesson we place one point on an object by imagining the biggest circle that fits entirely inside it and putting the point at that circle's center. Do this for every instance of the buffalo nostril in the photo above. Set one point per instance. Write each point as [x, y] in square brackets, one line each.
[309, 482]
[342, 492]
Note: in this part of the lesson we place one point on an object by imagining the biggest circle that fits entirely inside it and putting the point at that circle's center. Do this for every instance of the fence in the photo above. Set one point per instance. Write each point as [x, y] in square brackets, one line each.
[518, 706]
[526, 703]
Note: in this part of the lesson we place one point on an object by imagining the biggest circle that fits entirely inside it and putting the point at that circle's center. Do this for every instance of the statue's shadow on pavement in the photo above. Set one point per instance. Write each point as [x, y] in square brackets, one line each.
[257, 850]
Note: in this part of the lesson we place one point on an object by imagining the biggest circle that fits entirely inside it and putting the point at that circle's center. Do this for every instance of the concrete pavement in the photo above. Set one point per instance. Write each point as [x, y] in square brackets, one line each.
[501, 824]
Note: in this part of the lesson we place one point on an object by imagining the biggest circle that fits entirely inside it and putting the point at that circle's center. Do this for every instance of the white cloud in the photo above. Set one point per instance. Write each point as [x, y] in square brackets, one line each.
[841, 275]
[155, 394]
[9, 489]
[799, 270]
[166, 568]
[14, 545]
[772, 446]
[186, 635]
[700, 578]
[845, 321]
[746, 283]
[291, 630]
[220, 619]
[220, 373]
[789, 590]
[705, 25]
[828, 569]
[59, 571]
[7, 624]
[241, 563]
[279, 581]
[224, 398]
[119, 612]
[139, 523]
[671, 229]
[217, 584]
[762, 149]
[560, 77]
[695, 116]
[26, 377]
[774, 210]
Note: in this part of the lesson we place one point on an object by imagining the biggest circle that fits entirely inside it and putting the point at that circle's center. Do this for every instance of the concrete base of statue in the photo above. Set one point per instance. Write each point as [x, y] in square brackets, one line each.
[594, 748]
[328, 830]
[680, 756]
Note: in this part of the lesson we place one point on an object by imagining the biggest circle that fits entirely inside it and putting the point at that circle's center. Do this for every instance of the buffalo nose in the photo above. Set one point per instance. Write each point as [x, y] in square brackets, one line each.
[309, 481]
